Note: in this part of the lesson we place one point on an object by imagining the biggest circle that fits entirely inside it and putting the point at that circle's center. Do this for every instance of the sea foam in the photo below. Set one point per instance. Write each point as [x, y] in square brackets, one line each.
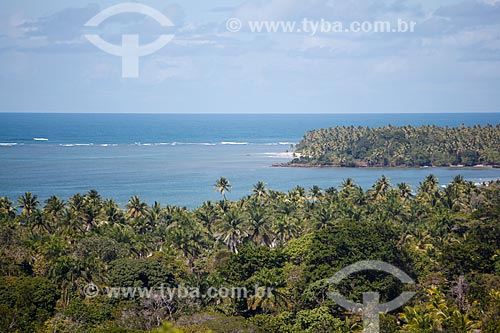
[234, 143]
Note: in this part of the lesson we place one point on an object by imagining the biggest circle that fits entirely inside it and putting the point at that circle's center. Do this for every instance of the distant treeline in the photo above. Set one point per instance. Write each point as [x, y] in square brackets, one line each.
[401, 146]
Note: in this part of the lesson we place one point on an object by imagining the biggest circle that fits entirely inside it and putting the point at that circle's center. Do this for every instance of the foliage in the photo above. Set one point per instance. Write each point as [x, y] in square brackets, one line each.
[281, 246]
[401, 146]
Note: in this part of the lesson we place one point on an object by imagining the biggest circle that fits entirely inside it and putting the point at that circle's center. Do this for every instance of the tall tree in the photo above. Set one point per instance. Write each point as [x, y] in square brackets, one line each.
[136, 208]
[232, 229]
[223, 186]
[260, 191]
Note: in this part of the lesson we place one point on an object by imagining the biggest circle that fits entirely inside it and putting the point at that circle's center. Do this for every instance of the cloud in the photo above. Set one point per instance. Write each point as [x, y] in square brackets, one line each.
[471, 13]
[224, 9]
[64, 25]
[340, 10]
[466, 15]
[451, 59]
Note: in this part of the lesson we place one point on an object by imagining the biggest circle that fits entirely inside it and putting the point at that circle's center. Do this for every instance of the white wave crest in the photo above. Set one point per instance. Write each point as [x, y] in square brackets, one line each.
[76, 144]
[233, 143]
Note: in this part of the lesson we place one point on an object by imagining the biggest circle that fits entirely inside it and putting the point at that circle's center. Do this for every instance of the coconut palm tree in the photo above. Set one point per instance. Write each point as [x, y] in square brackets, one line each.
[260, 191]
[93, 194]
[285, 229]
[381, 187]
[112, 212]
[298, 194]
[324, 218]
[155, 215]
[404, 191]
[136, 208]
[7, 207]
[428, 191]
[92, 209]
[207, 214]
[259, 226]
[54, 208]
[189, 238]
[430, 184]
[231, 230]
[223, 186]
[74, 215]
[29, 203]
[315, 193]
[347, 184]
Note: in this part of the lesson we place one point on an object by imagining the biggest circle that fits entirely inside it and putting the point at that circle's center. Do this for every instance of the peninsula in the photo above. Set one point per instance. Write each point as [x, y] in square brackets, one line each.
[406, 146]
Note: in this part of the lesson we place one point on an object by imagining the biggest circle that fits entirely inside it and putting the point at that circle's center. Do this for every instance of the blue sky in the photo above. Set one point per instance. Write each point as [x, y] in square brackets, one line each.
[451, 63]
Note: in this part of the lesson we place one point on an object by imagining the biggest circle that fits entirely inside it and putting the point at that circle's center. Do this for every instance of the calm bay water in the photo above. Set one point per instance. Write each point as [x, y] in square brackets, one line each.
[177, 158]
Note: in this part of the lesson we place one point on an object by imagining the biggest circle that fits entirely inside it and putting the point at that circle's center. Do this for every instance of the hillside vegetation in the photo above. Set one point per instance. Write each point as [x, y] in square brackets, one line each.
[446, 239]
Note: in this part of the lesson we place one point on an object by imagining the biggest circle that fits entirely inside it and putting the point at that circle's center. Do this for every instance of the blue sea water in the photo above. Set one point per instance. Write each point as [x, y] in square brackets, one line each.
[175, 159]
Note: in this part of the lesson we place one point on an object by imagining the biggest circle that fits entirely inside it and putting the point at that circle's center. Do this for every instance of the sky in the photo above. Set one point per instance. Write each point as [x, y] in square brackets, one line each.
[450, 63]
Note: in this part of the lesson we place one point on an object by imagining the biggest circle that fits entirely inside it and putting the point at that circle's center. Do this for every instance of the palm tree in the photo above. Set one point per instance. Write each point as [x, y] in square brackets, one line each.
[223, 186]
[259, 227]
[207, 215]
[315, 193]
[29, 203]
[380, 188]
[75, 213]
[298, 194]
[93, 194]
[38, 223]
[232, 230]
[188, 237]
[7, 207]
[285, 229]
[457, 193]
[92, 209]
[155, 215]
[430, 184]
[404, 191]
[347, 184]
[136, 208]
[260, 191]
[54, 208]
[429, 189]
[324, 218]
[112, 212]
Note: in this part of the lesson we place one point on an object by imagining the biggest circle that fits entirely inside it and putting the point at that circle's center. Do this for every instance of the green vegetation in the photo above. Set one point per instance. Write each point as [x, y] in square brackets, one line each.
[406, 146]
[446, 238]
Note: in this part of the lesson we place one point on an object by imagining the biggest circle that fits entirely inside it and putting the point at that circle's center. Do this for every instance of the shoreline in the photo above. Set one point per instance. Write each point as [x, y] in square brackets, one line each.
[331, 166]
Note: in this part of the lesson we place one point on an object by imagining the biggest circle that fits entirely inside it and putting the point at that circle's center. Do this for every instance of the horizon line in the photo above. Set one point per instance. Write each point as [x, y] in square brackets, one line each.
[248, 113]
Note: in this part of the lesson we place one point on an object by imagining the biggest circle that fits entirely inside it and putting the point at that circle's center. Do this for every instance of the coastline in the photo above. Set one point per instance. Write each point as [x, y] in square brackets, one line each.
[363, 166]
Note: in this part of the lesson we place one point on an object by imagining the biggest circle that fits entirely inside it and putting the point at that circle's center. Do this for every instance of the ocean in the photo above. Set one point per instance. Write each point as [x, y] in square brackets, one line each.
[176, 158]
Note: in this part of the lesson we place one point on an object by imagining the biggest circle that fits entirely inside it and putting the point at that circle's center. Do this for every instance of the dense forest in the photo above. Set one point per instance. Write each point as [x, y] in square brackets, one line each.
[400, 146]
[446, 238]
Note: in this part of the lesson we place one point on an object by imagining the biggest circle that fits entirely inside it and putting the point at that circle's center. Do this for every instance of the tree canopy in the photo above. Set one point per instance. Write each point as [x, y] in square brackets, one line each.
[401, 146]
[280, 246]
